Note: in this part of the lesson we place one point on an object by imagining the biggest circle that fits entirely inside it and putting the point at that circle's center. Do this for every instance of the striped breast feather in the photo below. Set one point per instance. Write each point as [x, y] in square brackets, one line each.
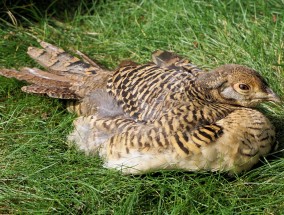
[146, 91]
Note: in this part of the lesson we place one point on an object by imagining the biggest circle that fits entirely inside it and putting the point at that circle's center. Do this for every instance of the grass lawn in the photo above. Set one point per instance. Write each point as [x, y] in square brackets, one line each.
[41, 173]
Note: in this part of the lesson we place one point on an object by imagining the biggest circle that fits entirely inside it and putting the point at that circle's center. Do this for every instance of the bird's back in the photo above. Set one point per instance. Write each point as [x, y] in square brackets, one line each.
[148, 91]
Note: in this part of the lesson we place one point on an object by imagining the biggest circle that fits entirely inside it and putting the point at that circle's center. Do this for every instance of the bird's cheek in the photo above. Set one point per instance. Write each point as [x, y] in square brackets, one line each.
[228, 93]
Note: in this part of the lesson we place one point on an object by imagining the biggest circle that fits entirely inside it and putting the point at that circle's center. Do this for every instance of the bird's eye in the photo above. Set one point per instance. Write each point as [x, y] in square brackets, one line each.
[244, 87]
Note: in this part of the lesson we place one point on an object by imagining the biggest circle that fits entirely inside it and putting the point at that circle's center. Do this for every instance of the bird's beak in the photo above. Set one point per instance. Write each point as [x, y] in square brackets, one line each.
[271, 96]
[267, 95]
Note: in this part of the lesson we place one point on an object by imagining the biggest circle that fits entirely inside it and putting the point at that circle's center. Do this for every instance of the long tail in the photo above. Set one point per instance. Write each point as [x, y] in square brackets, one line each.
[58, 61]
[67, 77]
[43, 82]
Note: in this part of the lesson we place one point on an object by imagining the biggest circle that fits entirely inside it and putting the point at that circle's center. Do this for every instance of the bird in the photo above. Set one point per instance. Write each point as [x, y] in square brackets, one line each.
[164, 114]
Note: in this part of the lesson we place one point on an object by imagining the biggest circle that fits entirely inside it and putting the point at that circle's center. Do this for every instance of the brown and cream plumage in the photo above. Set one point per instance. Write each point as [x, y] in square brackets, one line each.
[167, 114]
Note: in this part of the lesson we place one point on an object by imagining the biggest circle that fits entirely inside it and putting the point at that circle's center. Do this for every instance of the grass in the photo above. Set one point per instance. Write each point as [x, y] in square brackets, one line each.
[40, 173]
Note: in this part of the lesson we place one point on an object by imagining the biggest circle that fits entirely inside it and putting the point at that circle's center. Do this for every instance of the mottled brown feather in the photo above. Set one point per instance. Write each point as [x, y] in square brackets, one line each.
[167, 114]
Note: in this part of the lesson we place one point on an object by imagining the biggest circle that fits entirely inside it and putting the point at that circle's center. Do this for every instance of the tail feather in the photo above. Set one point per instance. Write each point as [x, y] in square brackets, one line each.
[67, 77]
[45, 78]
[53, 92]
[35, 76]
[60, 78]
[59, 61]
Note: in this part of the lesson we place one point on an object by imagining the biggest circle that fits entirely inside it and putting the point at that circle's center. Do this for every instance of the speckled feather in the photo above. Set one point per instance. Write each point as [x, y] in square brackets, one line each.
[167, 114]
[136, 148]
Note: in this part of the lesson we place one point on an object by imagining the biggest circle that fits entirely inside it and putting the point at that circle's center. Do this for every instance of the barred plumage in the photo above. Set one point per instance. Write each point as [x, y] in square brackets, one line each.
[167, 114]
[142, 147]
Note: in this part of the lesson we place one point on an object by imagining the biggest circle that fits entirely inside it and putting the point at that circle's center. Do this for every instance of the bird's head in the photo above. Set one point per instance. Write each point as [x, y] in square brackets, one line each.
[237, 85]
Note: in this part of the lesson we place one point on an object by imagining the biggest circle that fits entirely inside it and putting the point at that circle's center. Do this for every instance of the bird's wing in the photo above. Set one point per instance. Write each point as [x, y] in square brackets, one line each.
[233, 143]
[146, 91]
[185, 128]
[145, 147]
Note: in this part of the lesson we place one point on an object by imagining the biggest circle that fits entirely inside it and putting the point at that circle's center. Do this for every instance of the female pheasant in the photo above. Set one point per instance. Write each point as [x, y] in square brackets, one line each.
[166, 114]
